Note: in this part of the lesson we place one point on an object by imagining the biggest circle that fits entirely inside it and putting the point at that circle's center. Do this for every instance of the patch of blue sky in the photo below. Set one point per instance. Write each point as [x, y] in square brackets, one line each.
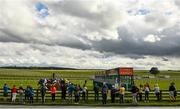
[39, 6]
[42, 9]
[141, 11]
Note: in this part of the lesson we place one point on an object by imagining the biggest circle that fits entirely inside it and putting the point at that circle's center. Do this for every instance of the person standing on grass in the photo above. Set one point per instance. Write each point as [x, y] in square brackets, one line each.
[53, 92]
[175, 91]
[157, 91]
[70, 91]
[63, 89]
[26, 94]
[140, 92]
[146, 92]
[43, 89]
[77, 93]
[84, 93]
[96, 92]
[21, 94]
[5, 90]
[134, 91]
[31, 95]
[113, 94]
[104, 93]
[121, 93]
[172, 89]
[14, 93]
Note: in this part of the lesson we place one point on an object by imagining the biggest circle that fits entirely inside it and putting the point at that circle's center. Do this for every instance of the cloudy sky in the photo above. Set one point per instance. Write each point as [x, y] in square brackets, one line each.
[90, 33]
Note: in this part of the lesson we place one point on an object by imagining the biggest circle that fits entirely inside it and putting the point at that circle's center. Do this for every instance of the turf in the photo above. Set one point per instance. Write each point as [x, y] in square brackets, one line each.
[26, 77]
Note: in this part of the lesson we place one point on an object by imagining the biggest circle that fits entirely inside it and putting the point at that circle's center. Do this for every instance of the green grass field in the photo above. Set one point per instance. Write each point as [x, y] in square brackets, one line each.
[25, 73]
[26, 77]
[163, 72]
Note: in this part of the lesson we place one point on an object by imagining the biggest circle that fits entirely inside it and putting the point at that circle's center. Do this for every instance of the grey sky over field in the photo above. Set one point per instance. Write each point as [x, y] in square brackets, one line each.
[90, 33]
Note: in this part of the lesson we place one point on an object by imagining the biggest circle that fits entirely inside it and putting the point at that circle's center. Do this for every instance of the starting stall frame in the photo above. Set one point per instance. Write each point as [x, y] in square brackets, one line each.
[116, 77]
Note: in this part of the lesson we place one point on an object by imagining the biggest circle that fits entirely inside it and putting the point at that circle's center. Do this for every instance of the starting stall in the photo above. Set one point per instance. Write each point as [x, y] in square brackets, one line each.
[116, 77]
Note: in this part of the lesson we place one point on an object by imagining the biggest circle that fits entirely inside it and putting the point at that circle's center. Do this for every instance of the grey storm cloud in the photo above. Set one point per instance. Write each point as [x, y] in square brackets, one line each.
[8, 36]
[177, 2]
[128, 45]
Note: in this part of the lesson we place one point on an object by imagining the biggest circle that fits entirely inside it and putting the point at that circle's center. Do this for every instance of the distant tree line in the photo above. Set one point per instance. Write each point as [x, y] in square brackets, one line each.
[43, 68]
[38, 68]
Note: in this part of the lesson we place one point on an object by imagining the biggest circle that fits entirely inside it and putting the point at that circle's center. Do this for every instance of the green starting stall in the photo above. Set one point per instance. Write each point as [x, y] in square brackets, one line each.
[116, 77]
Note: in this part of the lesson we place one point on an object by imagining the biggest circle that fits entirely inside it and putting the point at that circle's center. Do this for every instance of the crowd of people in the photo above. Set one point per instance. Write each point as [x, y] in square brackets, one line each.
[137, 93]
[24, 94]
[27, 95]
[65, 87]
[75, 92]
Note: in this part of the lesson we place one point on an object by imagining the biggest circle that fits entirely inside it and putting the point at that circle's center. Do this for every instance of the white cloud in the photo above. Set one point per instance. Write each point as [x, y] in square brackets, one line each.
[152, 38]
[73, 31]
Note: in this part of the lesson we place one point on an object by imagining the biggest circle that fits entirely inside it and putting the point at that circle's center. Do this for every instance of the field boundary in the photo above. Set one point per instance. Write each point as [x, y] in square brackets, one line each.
[164, 95]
